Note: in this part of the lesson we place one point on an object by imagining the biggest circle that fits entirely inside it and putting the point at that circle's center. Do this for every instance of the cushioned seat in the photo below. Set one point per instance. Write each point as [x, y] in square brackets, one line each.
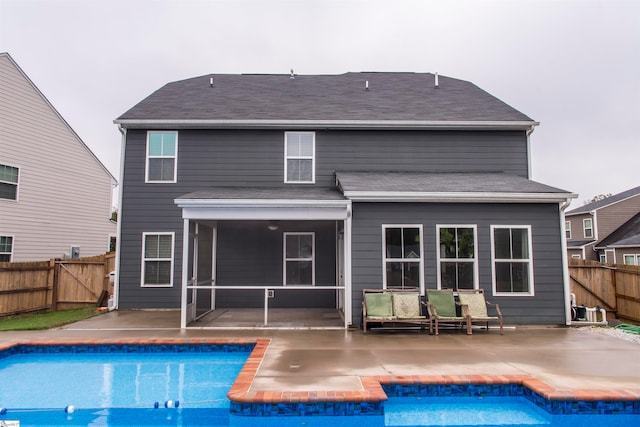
[395, 306]
[441, 306]
[476, 305]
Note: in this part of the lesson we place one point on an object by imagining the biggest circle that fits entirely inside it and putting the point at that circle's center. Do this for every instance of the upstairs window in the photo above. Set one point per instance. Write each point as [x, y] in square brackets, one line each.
[6, 248]
[588, 228]
[299, 157]
[8, 182]
[162, 156]
[567, 229]
[157, 259]
[402, 258]
[512, 263]
[457, 257]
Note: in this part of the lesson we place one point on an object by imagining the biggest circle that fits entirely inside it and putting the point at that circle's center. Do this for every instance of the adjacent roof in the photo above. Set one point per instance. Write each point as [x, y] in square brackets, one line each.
[628, 234]
[343, 100]
[463, 187]
[297, 192]
[605, 202]
[578, 244]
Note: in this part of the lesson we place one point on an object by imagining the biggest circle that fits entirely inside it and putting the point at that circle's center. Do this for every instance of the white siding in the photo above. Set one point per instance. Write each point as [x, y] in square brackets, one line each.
[64, 193]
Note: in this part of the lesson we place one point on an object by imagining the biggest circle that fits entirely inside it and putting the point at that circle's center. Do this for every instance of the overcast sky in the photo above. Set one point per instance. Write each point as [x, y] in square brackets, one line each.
[572, 65]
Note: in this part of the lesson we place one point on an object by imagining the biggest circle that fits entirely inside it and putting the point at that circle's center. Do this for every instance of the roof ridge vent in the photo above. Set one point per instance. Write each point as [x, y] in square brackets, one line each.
[366, 85]
[436, 80]
[293, 76]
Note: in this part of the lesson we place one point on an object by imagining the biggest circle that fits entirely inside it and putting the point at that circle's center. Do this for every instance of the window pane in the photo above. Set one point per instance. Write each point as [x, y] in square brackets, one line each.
[393, 241]
[456, 275]
[466, 246]
[299, 273]
[161, 169]
[155, 144]
[299, 246]
[164, 246]
[157, 273]
[520, 243]
[628, 259]
[293, 146]
[448, 271]
[306, 145]
[5, 258]
[447, 242]
[151, 246]
[512, 277]
[169, 144]
[503, 276]
[402, 275]
[5, 243]
[465, 275]
[411, 274]
[411, 243]
[502, 242]
[8, 174]
[299, 170]
[8, 191]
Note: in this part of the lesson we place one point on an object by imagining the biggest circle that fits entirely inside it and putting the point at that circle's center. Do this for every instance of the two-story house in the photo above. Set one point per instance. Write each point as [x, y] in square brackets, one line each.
[297, 192]
[588, 226]
[55, 195]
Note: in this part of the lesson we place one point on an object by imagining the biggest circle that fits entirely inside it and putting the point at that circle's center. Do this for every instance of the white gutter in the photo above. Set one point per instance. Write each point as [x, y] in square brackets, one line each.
[116, 283]
[319, 124]
[456, 197]
[259, 203]
[565, 264]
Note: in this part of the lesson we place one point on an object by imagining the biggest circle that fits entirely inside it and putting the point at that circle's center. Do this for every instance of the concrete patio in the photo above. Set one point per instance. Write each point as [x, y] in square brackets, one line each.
[332, 360]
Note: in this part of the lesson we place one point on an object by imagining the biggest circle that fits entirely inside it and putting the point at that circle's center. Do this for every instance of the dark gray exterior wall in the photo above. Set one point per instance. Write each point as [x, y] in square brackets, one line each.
[545, 307]
[208, 158]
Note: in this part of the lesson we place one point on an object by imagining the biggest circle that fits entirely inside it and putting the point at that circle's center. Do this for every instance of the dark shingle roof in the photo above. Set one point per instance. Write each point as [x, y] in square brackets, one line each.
[605, 202]
[574, 244]
[628, 234]
[442, 183]
[391, 97]
[296, 192]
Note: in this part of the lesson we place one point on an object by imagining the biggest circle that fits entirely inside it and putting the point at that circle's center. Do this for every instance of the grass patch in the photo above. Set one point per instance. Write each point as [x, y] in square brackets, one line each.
[37, 321]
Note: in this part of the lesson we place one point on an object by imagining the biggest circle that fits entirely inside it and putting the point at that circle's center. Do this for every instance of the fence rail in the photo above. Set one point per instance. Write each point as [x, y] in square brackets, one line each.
[54, 284]
[614, 287]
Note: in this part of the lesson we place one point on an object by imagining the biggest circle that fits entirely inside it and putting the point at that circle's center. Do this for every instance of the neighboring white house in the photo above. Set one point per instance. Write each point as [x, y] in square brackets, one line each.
[55, 194]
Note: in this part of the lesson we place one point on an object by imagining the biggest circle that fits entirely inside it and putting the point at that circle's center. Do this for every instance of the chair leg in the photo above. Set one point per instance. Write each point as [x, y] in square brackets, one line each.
[469, 331]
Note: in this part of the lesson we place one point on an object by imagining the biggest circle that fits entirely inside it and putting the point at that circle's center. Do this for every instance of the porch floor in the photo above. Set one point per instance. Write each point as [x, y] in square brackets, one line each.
[282, 318]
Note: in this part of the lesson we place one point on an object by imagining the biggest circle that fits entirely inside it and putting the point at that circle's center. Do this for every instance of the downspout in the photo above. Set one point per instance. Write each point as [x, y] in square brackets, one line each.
[529, 132]
[565, 264]
[116, 283]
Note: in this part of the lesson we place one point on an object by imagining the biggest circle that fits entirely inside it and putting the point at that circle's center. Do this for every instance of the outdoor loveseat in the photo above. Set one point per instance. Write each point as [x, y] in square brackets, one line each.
[392, 306]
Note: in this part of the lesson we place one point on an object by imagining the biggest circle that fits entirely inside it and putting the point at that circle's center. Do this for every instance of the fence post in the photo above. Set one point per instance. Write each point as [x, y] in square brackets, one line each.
[56, 281]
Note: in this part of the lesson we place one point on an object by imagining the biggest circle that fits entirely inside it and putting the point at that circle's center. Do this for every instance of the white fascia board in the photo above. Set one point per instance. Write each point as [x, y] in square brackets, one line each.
[319, 124]
[414, 196]
[244, 209]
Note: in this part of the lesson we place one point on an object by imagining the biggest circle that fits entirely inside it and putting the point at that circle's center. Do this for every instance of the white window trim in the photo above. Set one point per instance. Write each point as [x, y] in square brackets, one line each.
[13, 246]
[636, 258]
[385, 259]
[476, 282]
[567, 229]
[312, 258]
[142, 257]
[312, 158]
[147, 157]
[17, 184]
[585, 228]
[494, 260]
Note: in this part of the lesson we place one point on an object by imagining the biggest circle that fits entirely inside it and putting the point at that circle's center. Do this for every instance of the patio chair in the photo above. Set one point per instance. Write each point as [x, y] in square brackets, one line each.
[476, 305]
[441, 307]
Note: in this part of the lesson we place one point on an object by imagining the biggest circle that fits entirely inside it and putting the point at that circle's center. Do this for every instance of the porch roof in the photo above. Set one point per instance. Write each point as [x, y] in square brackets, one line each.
[446, 187]
[259, 203]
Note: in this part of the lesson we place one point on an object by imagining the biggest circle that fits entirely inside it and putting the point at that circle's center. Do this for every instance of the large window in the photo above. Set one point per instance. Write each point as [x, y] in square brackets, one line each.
[631, 259]
[157, 259]
[402, 256]
[6, 248]
[299, 268]
[587, 224]
[299, 157]
[457, 257]
[8, 182]
[162, 156]
[567, 229]
[512, 261]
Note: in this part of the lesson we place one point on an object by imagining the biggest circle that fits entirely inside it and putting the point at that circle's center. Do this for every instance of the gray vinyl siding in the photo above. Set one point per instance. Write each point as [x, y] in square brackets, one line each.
[255, 158]
[545, 307]
[611, 217]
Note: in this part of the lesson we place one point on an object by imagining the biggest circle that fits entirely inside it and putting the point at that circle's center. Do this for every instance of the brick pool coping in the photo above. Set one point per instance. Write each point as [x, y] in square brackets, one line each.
[372, 386]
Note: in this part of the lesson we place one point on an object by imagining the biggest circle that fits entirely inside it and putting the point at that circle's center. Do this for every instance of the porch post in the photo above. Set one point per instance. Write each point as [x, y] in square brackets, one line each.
[185, 274]
[347, 268]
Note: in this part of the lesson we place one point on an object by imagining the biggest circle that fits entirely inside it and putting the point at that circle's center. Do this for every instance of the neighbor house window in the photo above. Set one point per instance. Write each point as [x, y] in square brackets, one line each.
[8, 182]
[457, 257]
[512, 260]
[157, 259]
[299, 268]
[632, 259]
[162, 156]
[588, 228]
[402, 256]
[299, 157]
[6, 248]
[567, 229]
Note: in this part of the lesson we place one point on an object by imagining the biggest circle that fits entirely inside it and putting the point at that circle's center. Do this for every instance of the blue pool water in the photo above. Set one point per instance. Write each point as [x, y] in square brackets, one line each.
[107, 387]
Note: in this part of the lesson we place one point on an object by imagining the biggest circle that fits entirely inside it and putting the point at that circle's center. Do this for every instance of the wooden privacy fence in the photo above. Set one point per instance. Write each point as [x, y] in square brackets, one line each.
[614, 287]
[56, 284]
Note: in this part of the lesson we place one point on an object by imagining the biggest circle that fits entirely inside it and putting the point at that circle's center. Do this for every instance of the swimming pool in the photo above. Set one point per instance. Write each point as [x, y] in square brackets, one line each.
[180, 383]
